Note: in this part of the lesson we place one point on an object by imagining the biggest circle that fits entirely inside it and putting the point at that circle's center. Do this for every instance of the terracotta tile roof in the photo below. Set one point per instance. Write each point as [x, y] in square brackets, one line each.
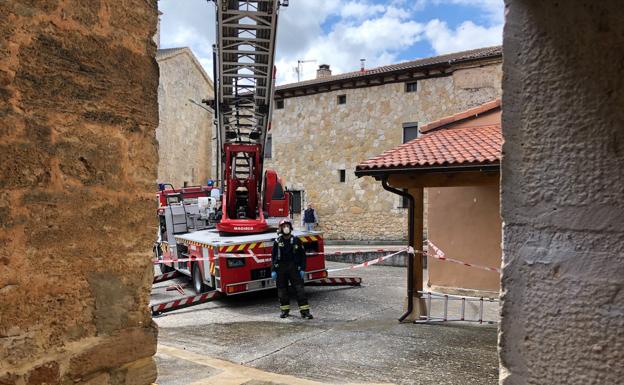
[471, 113]
[456, 57]
[448, 147]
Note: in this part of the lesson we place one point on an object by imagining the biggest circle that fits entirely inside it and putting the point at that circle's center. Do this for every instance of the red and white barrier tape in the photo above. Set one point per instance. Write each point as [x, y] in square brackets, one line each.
[439, 254]
[341, 252]
[368, 263]
[251, 255]
[159, 261]
[228, 255]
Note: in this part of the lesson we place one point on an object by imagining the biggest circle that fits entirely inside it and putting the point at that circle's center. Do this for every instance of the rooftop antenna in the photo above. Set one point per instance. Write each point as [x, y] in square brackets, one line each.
[299, 68]
[362, 66]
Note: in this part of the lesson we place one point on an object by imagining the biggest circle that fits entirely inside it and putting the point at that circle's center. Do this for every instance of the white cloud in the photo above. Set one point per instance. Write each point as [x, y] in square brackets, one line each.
[189, 23]
[466, 36]
[379, 39]
[360, 10]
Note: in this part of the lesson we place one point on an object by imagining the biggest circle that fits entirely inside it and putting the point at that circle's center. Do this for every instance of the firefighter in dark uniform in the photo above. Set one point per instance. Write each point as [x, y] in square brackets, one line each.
[289, 263]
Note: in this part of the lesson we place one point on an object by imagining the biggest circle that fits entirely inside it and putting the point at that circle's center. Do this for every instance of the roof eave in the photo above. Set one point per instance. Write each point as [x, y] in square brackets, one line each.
[293, 87]
[380, 173]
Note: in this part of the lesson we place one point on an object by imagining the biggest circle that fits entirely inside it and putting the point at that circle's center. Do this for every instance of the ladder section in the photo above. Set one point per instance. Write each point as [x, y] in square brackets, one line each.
[245, 79]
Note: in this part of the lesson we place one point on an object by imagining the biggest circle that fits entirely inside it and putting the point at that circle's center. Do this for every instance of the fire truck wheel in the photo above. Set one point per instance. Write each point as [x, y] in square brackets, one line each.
[198, 283]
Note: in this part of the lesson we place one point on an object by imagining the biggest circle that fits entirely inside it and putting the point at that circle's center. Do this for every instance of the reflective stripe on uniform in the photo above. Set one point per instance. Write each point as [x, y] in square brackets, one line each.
[304, 307]
[285, 307]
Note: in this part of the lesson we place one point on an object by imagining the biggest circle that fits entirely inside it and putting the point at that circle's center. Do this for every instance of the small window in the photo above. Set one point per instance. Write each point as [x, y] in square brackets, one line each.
[279, 104]
[410, 131]
[342, 99]
[343, 176]
[295, 201]
[268, 148]
[411, 87]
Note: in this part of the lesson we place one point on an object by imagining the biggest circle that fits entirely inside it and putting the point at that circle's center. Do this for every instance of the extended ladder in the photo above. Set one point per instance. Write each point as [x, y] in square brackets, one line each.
[244, 81]
[245, 51]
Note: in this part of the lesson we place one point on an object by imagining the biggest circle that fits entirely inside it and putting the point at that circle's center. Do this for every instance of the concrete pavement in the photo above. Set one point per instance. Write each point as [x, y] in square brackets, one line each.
[355, 338]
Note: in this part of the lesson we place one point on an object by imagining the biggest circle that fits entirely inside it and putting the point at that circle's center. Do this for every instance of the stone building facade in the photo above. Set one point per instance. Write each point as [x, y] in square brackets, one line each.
[79, 110]
[185, 128]
[323, 128]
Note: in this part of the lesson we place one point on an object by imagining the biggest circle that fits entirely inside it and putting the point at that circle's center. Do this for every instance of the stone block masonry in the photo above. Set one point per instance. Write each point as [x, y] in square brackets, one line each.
[185, 130]
[314, 137]
[78, 111]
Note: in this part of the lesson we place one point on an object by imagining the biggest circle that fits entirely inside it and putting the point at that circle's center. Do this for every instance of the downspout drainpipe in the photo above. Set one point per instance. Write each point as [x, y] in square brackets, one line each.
[410, 256]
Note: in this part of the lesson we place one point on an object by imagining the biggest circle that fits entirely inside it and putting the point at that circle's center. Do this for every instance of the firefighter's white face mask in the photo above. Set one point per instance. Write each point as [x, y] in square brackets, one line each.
[286, 230]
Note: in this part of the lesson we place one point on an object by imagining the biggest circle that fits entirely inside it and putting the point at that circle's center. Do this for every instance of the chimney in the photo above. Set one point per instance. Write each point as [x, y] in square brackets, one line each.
[323, 71]
[156, 36]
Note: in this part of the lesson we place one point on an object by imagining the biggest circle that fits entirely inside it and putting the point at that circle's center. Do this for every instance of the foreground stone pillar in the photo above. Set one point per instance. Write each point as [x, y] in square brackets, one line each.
[562, 193]
[78, 110]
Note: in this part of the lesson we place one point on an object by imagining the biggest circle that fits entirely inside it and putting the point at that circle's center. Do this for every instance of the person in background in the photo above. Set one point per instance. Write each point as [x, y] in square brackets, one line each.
[309, 218]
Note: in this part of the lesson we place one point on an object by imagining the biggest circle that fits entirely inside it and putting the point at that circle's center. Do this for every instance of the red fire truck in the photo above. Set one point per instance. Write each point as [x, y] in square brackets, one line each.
[189, 242]
[222, 236]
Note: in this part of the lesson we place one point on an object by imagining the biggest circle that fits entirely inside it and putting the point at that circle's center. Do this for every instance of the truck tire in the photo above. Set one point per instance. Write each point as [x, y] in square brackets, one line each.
[196, 277]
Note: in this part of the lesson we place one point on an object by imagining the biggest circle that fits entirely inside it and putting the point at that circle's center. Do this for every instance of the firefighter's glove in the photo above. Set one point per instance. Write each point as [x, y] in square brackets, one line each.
[301, 273]
[274, 274]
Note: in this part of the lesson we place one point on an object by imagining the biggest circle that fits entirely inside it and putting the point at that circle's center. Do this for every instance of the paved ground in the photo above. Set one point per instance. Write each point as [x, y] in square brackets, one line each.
[355, 338]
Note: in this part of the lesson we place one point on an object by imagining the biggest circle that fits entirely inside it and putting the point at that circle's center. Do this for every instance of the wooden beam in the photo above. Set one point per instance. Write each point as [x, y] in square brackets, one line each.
[445, 179]
[419, 210]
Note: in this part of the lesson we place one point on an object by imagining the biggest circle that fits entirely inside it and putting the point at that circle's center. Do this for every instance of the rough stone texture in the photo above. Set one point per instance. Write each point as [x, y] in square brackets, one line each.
[562, 193]
[78, 85]
[314, 137]
[185, 130]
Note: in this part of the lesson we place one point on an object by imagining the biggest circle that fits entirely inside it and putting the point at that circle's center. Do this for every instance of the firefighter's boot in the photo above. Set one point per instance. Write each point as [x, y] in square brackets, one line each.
[306, 314]
[284, 313]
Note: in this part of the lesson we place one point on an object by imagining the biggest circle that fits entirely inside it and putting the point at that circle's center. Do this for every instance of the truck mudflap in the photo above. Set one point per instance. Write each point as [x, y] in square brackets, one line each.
[166, 277]
[336, 281]
[181, 303]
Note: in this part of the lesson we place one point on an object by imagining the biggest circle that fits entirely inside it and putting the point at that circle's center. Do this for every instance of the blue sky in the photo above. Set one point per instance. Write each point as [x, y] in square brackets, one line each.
[340, 32]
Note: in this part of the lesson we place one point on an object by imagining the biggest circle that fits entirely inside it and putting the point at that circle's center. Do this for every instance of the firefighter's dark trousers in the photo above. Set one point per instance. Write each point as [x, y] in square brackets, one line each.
[287, 272]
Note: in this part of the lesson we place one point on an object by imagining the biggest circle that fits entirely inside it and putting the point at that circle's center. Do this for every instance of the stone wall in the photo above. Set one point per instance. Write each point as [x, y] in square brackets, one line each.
[314, 138]
[562, 193]
[78, 85]
[185, 130]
